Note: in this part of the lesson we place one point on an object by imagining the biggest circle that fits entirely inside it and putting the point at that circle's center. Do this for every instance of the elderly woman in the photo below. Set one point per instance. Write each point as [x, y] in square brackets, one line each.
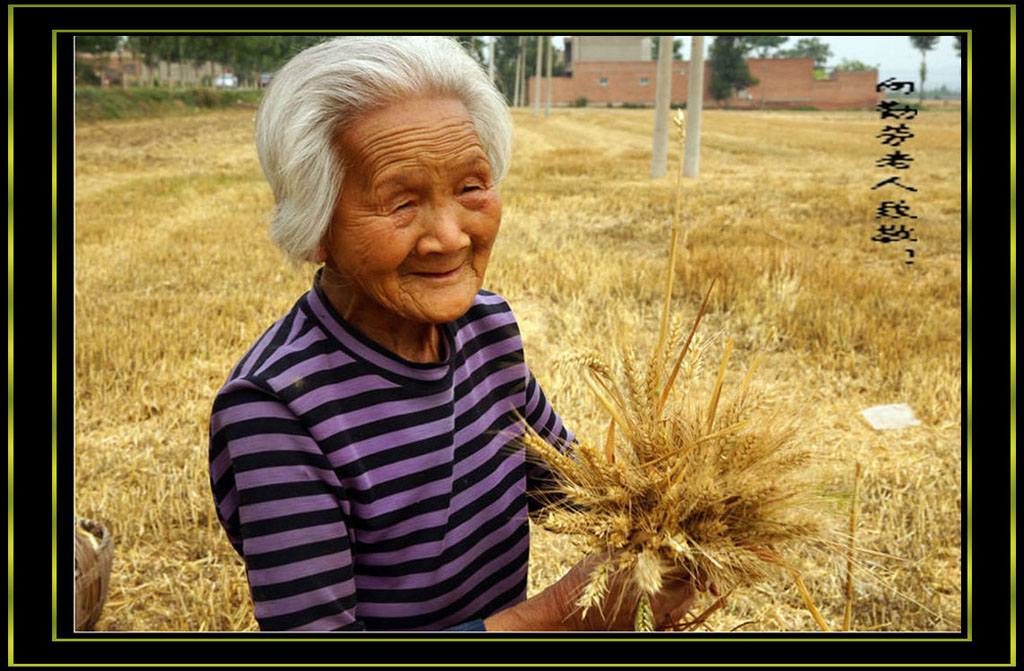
[361, 451]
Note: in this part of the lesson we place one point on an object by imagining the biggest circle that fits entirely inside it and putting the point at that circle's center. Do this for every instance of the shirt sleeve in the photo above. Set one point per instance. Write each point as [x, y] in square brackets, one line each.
[541, 416]
[283, 510]
[472, 625]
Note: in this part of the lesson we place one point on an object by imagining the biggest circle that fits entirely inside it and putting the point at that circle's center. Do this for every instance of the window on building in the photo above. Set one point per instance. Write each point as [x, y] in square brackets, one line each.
[603, 81]
[645, 81]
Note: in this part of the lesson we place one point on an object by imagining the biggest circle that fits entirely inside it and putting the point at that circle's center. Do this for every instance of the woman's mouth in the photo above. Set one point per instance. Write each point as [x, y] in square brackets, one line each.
[442, 274]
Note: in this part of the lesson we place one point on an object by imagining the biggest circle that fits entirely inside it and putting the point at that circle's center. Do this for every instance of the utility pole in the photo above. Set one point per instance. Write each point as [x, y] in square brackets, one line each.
[490, 58]
[547, 106]
[522, 71]
[694, 105]
[662, 107]
[519, 66]
[536, 84]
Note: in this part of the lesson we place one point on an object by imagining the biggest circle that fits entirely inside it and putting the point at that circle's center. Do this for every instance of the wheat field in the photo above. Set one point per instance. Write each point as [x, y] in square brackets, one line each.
[175, 277]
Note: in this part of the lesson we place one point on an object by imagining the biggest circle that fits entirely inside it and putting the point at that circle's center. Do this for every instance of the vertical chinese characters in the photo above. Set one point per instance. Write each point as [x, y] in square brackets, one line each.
[893, 136]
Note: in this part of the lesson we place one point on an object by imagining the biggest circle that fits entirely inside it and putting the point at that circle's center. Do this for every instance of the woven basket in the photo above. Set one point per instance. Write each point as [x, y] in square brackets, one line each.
[92, 572]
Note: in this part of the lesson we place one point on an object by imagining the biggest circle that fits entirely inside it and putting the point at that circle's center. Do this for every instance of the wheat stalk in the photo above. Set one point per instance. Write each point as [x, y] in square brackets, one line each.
[848, 611]
[679, 487]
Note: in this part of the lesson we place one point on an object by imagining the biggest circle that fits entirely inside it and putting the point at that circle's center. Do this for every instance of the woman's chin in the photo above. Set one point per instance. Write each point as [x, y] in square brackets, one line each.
[444, 302]
[445, 306]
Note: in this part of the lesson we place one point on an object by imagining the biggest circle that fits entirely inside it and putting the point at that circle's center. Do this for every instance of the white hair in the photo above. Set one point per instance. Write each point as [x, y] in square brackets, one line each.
[324, 89]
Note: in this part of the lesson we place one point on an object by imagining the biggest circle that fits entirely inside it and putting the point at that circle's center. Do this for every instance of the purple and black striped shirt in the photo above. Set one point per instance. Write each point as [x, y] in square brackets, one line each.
[365, 491]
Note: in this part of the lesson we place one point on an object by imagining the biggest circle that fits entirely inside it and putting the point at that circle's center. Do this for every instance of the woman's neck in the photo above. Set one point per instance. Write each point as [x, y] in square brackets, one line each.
[413, 341]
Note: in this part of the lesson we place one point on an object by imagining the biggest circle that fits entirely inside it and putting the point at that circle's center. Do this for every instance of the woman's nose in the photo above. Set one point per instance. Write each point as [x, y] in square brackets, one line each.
[443, 231]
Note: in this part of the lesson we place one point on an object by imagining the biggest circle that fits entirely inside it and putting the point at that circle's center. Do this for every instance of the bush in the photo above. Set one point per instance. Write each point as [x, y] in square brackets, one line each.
[86, 74]
[580, 102]
[116, 103]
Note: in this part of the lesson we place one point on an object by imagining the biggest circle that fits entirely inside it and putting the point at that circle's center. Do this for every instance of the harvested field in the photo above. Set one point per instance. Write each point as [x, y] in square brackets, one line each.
[175, 277]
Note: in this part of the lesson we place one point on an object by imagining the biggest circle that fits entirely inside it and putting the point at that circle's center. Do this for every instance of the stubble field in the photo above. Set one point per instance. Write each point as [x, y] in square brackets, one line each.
[175, 277]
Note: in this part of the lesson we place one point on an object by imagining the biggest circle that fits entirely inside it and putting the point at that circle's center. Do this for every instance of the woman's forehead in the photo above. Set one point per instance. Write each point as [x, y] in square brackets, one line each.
[436, 131]
[416, 120]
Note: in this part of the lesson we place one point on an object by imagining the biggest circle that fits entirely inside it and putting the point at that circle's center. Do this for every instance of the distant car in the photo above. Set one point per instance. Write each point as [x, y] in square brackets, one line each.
[227, 81]
[265, 78]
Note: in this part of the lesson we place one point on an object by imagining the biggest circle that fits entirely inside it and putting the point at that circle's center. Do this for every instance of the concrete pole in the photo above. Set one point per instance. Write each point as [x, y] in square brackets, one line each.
[490, 58]
[547, 104]
[536, 83]
[519, 73]
[694, 105]
[522, 73]
[662, 107]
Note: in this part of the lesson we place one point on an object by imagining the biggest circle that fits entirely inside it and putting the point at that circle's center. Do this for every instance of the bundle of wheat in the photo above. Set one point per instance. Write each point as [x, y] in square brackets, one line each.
[94, 554]
[712, 490]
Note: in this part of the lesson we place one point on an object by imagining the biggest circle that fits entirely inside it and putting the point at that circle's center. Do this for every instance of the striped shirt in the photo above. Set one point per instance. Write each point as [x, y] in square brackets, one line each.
[364, 491]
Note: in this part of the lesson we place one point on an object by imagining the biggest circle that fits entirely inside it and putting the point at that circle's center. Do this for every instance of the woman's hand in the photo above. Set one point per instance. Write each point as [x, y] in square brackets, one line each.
[555, 608]
[617, 610]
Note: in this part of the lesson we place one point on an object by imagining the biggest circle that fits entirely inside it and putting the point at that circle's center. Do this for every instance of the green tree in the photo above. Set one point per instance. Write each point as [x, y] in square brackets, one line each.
[96, 44]
[476, 47]
[169, 51]
[764, 43]
[809, 47]
[677, 48]
[506, 54]
[729, 71]
[100, 48]
[923, 43]
[196, 52]
[853, 65]
[145, 50]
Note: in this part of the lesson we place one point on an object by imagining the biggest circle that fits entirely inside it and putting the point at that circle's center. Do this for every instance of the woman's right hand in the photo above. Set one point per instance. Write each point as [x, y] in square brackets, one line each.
[555, 608]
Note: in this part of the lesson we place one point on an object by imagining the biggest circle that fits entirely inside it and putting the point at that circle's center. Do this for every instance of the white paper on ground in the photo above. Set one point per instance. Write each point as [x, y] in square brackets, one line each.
[895, 416]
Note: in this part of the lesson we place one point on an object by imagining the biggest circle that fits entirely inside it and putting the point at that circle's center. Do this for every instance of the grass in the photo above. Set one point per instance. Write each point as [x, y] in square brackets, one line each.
[93, 103]
[175, 278]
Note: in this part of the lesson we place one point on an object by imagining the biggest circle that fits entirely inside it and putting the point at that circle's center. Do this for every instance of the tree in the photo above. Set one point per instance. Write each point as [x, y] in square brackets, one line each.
[729, 66]
[474, 46]
[677, 48]
[145, 50]
[520, 67]
[168, 50]
[96, 44]
[99, 47]
[538, 55]
[764, 43]
[959, 39]
[506, 65]
[853, 65]
[809, 47]
[923, 43]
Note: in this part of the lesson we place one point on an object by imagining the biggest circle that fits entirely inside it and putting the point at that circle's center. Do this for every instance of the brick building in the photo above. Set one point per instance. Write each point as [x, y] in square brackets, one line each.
[618, 70]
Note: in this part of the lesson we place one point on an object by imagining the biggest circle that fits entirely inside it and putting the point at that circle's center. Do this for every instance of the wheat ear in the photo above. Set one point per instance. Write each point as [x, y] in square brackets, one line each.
[659, 352]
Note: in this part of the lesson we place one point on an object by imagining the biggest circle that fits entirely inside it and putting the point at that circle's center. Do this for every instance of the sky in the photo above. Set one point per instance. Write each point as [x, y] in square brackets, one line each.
[893, 55]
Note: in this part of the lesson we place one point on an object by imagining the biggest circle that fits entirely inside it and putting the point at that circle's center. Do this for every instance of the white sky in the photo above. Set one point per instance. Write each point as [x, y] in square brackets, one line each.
[893, 55]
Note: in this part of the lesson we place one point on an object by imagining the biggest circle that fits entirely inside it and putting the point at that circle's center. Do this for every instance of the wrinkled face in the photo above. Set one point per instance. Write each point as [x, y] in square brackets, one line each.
[417, 215]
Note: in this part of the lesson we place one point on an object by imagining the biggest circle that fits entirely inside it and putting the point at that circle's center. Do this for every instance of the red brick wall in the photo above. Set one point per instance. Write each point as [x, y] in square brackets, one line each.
[783, 82]
[623, 83]
[846, 90]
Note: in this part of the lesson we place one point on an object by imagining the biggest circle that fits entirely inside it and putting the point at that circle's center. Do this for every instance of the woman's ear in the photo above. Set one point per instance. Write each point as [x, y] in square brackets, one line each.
[320, 255]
